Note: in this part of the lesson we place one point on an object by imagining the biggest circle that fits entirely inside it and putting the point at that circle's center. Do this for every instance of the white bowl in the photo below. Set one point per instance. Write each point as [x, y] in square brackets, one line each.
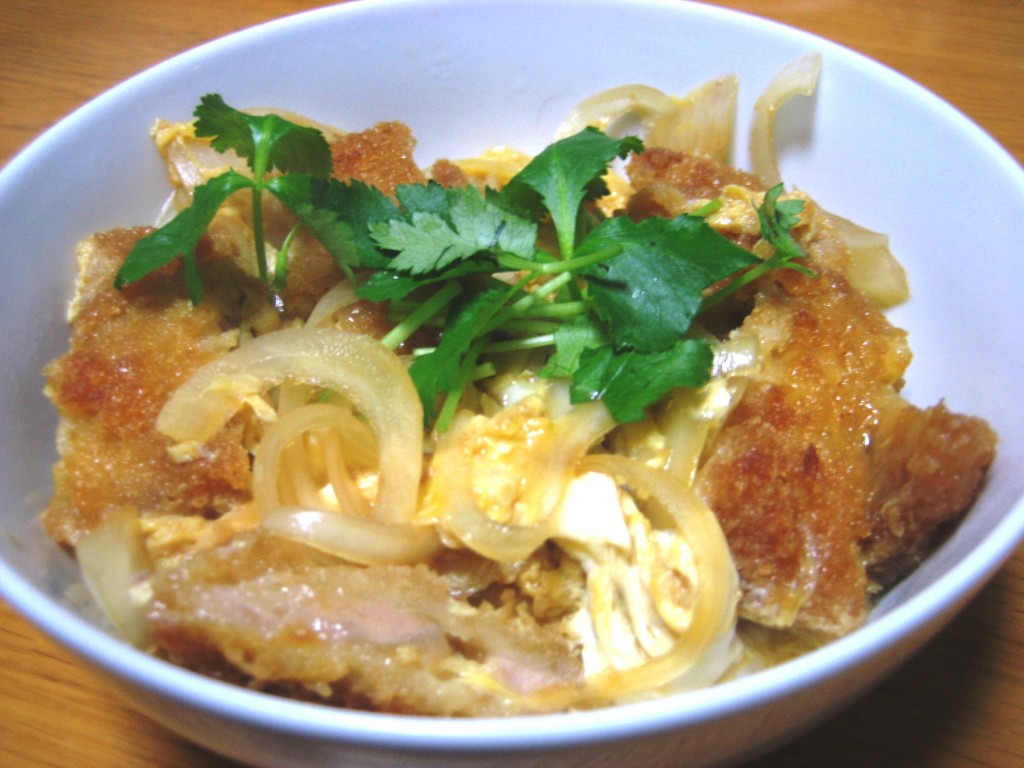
[467, 75]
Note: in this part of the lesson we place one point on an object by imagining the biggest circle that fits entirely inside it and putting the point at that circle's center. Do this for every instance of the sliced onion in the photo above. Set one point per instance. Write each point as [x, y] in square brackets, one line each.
[872, 268]
[337, 298]
[282, 461]
[701, 122]
[357, 539]
[610, 108]
[798, 78]
[569, 439]
[191, 160]
[114, 564]
[692, 415]
[368, 374]
[700, 653]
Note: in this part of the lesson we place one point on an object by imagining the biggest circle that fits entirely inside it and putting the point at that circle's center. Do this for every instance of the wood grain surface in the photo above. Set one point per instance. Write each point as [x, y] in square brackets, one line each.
[958, 703]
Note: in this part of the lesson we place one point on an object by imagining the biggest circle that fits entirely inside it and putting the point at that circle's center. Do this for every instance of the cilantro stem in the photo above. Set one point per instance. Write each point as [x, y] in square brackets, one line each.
[463, 376]
[529, 326]
[752, 274]
[419, 316]
[776, 218]
[721, 294]
[708, 208]
[518, 345]
[281, 265]
[536, 341]
[577, 263]
[257, 231]
[524, 325]
[260, 161]
[551, 286]
[510, 261]
[513, 263]
[507, 312]
[559, 309]
[483, 371]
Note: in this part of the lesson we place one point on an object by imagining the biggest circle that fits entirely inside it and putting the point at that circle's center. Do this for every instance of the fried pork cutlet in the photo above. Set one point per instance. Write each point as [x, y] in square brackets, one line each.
[828, 484]
[128, 352]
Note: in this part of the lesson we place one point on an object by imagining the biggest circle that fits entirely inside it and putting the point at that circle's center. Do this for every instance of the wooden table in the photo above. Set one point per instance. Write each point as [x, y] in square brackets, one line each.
[958, 703]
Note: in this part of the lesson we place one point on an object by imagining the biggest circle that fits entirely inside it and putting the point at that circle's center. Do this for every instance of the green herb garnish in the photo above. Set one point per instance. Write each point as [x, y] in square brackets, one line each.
[267, 143]
[614, 301]
[777, 219]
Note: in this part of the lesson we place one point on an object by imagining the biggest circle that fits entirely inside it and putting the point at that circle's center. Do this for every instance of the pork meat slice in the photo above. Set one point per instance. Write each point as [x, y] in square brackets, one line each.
[280, 616]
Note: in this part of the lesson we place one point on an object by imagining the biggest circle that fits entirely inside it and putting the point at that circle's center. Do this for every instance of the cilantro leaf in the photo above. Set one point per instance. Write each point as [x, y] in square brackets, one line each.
[571, 339]
[649, 295]
[777, 219]
[338, 215]
[436, 372]
[387, 285]
[181, 234]
[628, 382]
[563, 176]
[431, 240]
[425, 198]
[267, 142]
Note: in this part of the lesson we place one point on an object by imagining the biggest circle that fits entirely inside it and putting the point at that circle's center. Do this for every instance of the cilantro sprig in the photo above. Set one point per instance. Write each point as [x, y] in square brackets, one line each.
[267, 143]
[776, 218]
[613, 301]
